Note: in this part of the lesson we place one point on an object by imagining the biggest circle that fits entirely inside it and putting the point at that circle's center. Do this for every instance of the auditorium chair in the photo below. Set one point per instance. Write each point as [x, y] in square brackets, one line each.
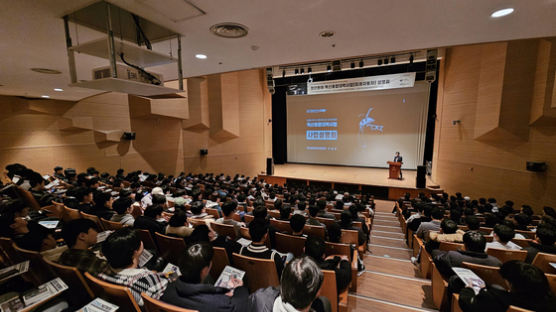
[79, 293]
[219, 261]
[93, 218]
[237, 217]
[116, 294]
[281, 226]
[111, 225]
[489, 274]
[39, 272]
[70, 214]
[9, 256]
[439, 289]
[542, 261]
[489, 238]
[244, 232]
[485, 230]
[344, 249]
[522, 242]
[171, 249]
[517, 309]
[146, 238]
[213, 212]
[447, 246]
[224, 229]
[338, 302]
[249, 208]
[254, 267]
[426, 258]
[551, 282]
[195, 222]
[314, 230]
[289, 243]
[455, 303]
[55, 211]
[274, 213]
[327, 222]
[152, 305]
[248, 218]
[28, 198]
[526, 234]
[350, 237]
[505, 255]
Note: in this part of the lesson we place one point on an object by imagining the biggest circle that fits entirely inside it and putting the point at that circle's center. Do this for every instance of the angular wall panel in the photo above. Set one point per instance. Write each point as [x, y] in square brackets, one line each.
[198, 105]
[224, 105]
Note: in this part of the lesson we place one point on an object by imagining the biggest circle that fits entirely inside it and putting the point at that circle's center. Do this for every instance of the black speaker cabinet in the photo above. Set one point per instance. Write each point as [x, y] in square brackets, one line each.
[421, 181]
[203, 151]
[269, 166]
[536, 166]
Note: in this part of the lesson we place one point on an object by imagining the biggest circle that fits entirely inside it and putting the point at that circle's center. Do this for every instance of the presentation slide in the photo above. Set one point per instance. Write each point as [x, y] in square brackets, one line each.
[358, 128]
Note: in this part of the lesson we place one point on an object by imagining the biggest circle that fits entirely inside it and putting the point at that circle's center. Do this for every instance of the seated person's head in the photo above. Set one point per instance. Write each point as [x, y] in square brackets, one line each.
[339, 205]
[297, 222]
[80, 233]
[448, 226]
[546, 234]
[84, 194]
[315, 248]
[474, 241]
[197, 208]
[437, 213]
[278, 204]
[153, 211]
[122, 248]
[300, 283]
[12, 218]
[260, 212]
[526, 209]
[525, 279]
[103, 200]
[178, 219]
[229, 207]
[334, 232]
[522, 220]
[490, 220]
[321, 204]
[196, 263]
[122, 205]
[472, 222]
[313, 211]
[159, 199]
[258, 229]
[285, 212]
[201, 234]
[346, 218]
[427, 210]
[36, 180]
[301, 205]
[504, 233]
[549, 211]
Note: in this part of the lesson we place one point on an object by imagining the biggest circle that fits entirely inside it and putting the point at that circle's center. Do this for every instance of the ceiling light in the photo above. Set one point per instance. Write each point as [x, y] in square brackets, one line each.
[46, 71]
[326, 33]
[45, 96]
[201, 56]
[229, 30]
[58, 89]
[501, 13]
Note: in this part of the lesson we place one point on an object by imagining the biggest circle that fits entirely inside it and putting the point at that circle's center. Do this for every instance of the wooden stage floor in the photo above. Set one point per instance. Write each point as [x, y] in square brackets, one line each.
[342, 174]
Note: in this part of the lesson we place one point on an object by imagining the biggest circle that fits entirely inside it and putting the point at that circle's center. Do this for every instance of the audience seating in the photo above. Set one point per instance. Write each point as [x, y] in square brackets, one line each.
[274, 213]
[350, 237]
[345, 249]
[153, 305]
[56, 211]
[70, 214]
[110, 225]
[517, 309]
[489, 274]
[116, 294]
[314, 230]
[171, 249]
[236, 217]
[505, 255]
[439, 288]
[219, 262]
[196, 222]
[542, 261]
[39, 272]
[93, 218]
[551, 282]
[7, 250]
[290, 243]
[244, 231]
[146, 238]
[213, 212]
[248, 218]
[79, 293]
[455, 303]
[426, 259]
[522, 242]
[281, 226]
[447, 246]
[224, 229]
[327, 222]
[253, 268]
[338, 302]
[526, 234]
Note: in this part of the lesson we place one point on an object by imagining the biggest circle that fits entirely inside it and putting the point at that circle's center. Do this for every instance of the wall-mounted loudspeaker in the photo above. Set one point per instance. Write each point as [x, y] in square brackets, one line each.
[421, 181]
[430, 68]
[269, 166]
[270, 80]
[203, 151]
[536, 166]
[129, 136]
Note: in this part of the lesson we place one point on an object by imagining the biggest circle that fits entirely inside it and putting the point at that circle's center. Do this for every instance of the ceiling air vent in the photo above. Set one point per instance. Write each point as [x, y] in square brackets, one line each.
[229, 30]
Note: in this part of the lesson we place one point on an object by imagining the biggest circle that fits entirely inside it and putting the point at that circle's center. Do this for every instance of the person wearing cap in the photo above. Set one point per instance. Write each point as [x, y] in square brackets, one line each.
[59, 172]
[147, 200]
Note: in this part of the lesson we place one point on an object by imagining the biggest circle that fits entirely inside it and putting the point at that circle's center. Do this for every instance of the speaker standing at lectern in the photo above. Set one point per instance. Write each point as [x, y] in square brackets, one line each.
[398, 158]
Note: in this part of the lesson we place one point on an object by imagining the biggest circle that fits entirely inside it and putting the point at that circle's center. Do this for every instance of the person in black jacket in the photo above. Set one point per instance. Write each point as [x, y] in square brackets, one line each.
[544, 242]
[188, 291]
[315, 247]
[528, 289]
[149, 220]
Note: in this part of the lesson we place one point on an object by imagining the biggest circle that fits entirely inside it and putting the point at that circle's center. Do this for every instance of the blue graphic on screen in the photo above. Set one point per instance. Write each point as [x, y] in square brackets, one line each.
[322, 135]
[368, 122]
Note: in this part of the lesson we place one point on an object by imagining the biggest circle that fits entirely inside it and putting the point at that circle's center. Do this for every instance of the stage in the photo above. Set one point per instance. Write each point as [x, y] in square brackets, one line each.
[375, 180]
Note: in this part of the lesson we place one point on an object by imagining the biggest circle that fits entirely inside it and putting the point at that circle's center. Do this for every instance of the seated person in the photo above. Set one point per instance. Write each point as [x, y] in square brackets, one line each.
[334, 232]
[103, 205]
[475, 244]
[160, 199]
[472, 222]
[346, 223]
[41, 195]
[149, 220]
[312, 220]
[258, 230]
[502, 238]
[449, 233]
[522, 221]
[285, 212]
[545, 237]
[529, 289]
[301, 208]
[228, 210]
[189, 292]
[80, 235]
[297, 223]
[198, 211]
[437, 215]
[321, 204]
[315, 248]
[424, 211]
[178, 225]
[122, 207]
[122, 249]
[299, 289]
[84, 196]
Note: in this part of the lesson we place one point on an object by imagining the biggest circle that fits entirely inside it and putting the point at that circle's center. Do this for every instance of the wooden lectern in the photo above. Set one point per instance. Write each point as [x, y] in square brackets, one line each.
[394, 169]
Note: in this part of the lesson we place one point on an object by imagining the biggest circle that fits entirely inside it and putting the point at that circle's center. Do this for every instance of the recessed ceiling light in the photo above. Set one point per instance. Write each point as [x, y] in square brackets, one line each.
[229, 30]
[46, 71]
[501, 13]
[200, 56]
[326, 33]
[45, 96]
[58, 89]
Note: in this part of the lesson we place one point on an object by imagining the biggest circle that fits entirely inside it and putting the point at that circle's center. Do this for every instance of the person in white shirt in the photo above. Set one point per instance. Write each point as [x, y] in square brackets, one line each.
[503, 235]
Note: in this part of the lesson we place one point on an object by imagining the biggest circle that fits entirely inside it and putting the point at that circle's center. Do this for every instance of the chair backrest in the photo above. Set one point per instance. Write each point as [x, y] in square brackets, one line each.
[79, 292]
[8, 252]
[70, 214]
[111, 225]
[447, 246]
[56, 211]
[93, 218]
[274, 213]
[172, 249]
[152, 305]
[522, 242]
[326, 221]
[38, 270]
[248, 218]
[213, 212]
[254, 267]
[338, 249]
[350, 237]
[116, 294]
[28, 198]
[196, 221]
[219, 262]
[244, 231]
[290, 243]
[517, 309]
[146, 238]
[506, 255]
[329, 290]
[551, 282]
[489, 274]
[281, 226]
[542, 261]
[526, 234]
[224, 229]
[237, 217]
[314, 230]
[485, 230]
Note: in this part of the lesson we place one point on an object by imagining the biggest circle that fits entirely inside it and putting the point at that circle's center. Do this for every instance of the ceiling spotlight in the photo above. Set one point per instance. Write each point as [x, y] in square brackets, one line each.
[326, 33]
[283, 73]
[302, 70]
[411, 59]
[361, 64]
[45, 96]
[229, 30]
[328, 68]
[501, 13]
[352, 65]
[309, 70]
[58, 89]
[201, 56]
[385, 61]
[379, 62]
[296, 71]
[393, 59]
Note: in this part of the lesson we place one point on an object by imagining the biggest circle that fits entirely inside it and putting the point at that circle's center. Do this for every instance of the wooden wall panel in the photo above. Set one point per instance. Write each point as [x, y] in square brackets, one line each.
[198, 105]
